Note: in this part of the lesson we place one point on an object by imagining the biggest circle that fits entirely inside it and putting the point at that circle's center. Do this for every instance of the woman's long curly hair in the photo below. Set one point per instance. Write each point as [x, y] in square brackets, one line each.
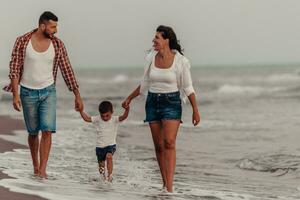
[168, 33]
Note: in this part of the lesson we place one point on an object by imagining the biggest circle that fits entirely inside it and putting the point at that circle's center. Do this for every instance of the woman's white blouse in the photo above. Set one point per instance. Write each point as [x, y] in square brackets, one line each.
[183, 75]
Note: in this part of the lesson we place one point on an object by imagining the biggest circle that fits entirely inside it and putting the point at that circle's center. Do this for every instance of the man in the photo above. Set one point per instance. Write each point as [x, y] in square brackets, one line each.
[34, 63]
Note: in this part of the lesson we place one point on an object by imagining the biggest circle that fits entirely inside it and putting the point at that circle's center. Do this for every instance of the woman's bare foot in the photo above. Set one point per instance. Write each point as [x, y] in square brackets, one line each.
[43, 175]
[36, 172]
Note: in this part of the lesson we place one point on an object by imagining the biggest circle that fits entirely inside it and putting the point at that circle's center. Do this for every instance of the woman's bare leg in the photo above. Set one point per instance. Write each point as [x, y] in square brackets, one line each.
[170, 129]
[158, 140]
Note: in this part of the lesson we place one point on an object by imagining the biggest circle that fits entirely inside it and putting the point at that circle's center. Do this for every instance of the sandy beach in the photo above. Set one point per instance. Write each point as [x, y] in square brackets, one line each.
[7, 126]
[246, 147]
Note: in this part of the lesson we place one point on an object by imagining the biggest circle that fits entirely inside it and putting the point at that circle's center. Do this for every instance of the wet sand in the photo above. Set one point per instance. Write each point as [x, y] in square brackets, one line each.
[7, 126]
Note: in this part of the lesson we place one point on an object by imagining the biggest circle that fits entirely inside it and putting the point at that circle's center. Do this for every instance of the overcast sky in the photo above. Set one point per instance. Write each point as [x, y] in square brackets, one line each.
[113, 33]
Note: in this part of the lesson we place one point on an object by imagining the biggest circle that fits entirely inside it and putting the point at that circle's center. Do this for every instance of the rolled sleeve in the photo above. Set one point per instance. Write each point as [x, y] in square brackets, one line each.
[145, 83]
[66, 69]
[189, 90]
[16, 60]
[187, 83]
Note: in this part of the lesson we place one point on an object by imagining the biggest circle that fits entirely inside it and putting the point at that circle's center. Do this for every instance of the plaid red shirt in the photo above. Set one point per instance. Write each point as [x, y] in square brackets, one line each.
[61, 60]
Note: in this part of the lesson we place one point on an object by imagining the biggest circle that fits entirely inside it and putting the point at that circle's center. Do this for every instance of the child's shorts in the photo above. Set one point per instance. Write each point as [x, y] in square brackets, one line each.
[101, 152]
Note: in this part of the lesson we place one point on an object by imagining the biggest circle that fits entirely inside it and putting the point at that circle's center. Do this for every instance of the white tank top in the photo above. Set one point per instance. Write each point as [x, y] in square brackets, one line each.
[163, 80]
[106, 130]
[38, 68]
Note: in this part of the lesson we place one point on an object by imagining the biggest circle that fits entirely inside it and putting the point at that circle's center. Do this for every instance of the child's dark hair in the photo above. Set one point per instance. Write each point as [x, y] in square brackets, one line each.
[105, 106]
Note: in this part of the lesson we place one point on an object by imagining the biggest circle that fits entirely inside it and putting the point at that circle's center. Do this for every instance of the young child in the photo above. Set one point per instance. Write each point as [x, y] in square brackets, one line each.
[106, 127]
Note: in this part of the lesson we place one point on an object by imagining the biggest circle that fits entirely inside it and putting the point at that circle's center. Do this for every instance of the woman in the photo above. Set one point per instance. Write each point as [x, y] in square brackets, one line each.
[167, 79]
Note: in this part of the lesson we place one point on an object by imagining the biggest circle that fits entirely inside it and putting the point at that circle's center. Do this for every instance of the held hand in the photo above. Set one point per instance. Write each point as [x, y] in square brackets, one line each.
[126, 103]
[17, 102]
[78, 104]
[127, 109]
[196, 118]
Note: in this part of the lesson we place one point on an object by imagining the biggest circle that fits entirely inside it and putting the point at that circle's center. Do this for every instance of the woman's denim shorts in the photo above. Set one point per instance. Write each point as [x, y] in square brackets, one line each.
[39, 109]
[163, 106]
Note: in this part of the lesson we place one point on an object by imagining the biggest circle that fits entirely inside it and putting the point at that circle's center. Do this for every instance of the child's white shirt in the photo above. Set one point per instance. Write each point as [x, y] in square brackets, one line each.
[106, 130]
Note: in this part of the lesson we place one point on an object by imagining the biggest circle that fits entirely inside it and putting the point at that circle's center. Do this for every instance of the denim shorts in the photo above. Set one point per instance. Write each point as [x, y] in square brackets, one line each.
[39, 109]
[163, 106]
[101, 152]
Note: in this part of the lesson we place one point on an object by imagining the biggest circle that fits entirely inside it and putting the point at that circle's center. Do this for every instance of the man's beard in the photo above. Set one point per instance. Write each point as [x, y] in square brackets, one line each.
[47, 35]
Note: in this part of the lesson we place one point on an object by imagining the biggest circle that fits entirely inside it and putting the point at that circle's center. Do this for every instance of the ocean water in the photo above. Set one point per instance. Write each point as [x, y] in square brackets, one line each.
[246, 147]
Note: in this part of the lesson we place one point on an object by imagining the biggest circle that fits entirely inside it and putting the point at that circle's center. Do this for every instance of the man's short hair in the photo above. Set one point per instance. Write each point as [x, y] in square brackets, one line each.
[105, 106]
[46, 16]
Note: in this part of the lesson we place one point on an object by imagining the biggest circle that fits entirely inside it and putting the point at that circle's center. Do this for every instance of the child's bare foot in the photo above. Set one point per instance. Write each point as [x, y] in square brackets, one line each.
[104, 177]
[101, 170]
[164, 189]
[110, 178]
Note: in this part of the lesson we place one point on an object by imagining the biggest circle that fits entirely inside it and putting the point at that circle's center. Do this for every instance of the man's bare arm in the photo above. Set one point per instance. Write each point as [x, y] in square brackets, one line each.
[16, 95]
